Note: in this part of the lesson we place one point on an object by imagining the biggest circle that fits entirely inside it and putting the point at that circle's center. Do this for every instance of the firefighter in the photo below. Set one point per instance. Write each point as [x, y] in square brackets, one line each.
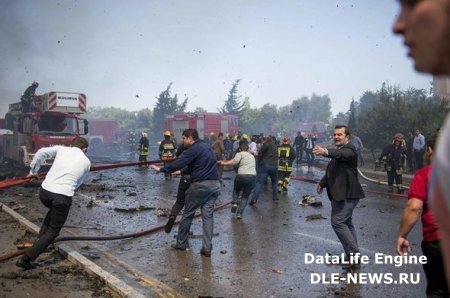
[27, 98]
[286, 156]
[143, 147]
[393, 157]
[131, 140]
[167, 149]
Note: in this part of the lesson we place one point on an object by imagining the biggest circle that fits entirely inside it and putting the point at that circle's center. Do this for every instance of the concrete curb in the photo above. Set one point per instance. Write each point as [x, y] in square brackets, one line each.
[113, 282]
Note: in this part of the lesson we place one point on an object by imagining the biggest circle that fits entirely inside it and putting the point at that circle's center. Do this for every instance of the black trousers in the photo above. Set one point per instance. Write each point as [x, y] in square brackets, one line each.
[183, 185]
[59, 206]
[309, 157]
[392, 175]
[434, 270]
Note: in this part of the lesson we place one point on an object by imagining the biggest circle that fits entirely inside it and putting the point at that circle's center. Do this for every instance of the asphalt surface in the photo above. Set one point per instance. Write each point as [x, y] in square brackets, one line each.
[262, 255]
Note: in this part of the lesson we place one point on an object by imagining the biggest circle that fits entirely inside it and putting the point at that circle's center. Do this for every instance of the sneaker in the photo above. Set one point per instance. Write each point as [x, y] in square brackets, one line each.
[234, 208]
[169, 224]
[25, 264]
[205, 253]
[239, 216]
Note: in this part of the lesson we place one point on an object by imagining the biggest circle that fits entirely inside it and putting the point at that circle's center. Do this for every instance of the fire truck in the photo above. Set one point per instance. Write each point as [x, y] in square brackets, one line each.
[315, 128]
[102, 132]
[205, 123]
[52, 120]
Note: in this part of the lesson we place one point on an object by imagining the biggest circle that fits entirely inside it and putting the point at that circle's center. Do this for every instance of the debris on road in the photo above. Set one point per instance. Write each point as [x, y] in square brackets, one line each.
[135, 209]
[314, 217]
[164, 212]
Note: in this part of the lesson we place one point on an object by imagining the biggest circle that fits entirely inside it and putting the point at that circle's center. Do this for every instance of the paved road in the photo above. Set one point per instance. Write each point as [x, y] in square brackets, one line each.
[262, 255]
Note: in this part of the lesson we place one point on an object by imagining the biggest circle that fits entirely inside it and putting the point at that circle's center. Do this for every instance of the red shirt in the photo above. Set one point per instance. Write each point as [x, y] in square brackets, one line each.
[419, 190]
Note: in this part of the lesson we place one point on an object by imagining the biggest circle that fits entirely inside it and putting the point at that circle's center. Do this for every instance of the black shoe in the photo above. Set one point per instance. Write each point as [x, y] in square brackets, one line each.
[239, 215]
[25, 264]
[169, 224]
[175, 246]
[252, 202]
[275, 198]
[205, 253]
[234, 208]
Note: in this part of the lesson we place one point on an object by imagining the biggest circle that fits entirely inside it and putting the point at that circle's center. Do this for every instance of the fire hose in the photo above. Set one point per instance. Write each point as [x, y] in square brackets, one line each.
[24, 180]
[308, 180]
[105, 238]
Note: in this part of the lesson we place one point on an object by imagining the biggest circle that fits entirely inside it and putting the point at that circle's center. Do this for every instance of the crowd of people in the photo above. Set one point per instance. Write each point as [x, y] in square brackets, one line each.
[425, 26]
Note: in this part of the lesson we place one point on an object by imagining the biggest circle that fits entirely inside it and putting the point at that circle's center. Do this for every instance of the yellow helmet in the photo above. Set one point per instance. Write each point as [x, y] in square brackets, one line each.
[244, 136]
[167, 133]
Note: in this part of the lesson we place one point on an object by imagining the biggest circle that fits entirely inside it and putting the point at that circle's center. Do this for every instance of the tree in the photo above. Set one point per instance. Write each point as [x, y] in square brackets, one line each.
[352, 116]
[200, 110]
[233, 105]
[166, 105]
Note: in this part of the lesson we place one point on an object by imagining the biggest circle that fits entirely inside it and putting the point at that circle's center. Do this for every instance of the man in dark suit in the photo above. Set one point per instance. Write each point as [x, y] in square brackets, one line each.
[343, 188]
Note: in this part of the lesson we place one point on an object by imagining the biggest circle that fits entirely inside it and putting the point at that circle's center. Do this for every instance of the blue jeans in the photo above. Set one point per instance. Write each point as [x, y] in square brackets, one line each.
[341, 221]
[244, 183]
[203, 195]
[263, 172]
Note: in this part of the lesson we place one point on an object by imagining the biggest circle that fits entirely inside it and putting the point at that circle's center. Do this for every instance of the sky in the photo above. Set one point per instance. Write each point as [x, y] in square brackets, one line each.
[125, 53]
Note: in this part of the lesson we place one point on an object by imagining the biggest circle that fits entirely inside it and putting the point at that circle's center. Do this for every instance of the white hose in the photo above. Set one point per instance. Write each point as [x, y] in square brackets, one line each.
[377, 181]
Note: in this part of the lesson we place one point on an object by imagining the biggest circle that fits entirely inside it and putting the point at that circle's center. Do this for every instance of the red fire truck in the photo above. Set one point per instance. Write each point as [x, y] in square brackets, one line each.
[53, 120]
[102, 132]
[205, 123]
[315, 128]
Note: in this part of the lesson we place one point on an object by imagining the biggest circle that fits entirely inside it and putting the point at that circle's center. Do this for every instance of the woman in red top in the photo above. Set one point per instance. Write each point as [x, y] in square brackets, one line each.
[417, 202]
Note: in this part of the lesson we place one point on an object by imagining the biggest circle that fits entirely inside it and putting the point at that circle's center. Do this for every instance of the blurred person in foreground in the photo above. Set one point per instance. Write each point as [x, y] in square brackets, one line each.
[425, 27]
[418, 203]
[67, 173]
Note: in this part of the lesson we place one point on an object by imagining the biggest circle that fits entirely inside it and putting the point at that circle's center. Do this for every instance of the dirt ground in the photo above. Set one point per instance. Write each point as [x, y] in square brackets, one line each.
[55, 276]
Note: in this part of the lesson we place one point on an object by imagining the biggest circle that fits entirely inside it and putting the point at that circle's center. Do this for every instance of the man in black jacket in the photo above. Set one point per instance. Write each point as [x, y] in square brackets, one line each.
[343, 188]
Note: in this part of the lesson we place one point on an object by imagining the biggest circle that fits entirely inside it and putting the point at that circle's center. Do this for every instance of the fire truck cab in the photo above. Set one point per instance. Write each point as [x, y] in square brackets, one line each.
[53, 120]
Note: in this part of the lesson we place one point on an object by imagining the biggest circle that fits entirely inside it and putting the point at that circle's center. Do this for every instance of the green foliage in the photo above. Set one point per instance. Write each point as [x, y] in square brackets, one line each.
[125, 119]
[233, 105]
[352, 117]
[166, 105]
[396, 111]
[285, 120]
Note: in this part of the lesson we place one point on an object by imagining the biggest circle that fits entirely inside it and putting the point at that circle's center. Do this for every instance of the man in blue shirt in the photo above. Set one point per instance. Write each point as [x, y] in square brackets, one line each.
[200, 162]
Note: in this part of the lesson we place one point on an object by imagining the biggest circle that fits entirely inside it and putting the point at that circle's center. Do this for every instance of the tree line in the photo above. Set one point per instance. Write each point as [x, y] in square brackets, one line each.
[376, 116]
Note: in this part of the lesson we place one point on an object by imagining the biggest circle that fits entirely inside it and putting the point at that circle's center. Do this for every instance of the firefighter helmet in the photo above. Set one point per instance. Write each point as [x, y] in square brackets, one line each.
[167, 133]
[144, 134]
[244, 137]
[286, 140]
[398, 137]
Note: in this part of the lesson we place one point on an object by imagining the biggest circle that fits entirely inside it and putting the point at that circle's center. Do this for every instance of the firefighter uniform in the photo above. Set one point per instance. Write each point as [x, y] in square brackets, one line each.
[167, 149]
[132, 142]
[143, 147]
[286, 156]
[393, 157]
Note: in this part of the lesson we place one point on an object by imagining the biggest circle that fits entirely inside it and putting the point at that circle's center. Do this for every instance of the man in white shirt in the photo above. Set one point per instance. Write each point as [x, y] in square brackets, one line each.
[418, 148]
[67, 173]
